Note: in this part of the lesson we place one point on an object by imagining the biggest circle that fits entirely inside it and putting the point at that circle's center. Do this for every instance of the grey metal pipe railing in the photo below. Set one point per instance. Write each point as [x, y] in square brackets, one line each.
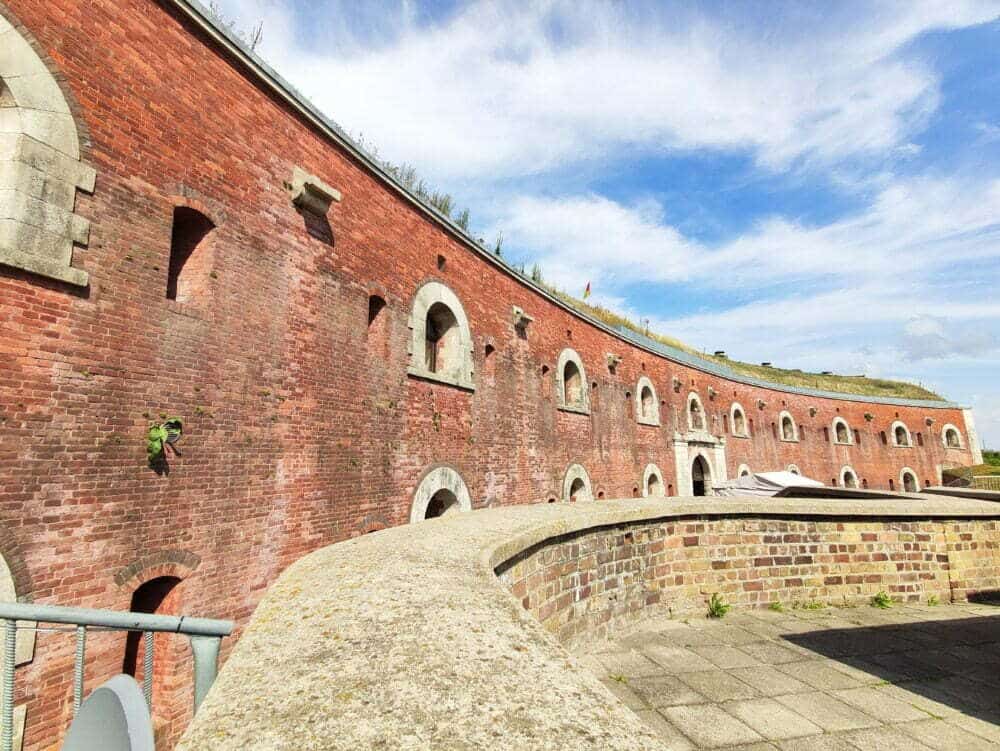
[205, 635]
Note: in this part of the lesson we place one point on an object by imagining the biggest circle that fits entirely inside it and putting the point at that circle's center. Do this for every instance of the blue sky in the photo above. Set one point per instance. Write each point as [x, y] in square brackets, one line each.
[813, 184]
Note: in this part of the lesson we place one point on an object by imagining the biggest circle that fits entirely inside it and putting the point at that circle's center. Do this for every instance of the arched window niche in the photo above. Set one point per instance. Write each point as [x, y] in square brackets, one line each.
[40, 167]
[738, 420]
[696, 413]
[652, 482]
[794, 469]
[908, 481]
[571, 383]
[951, 437]
[647, 406]
[576, 485]
[744, 471]
[841, 432]
[787, 429]
[441, 492]
[848, 477]
[441, 341]
[901, 435]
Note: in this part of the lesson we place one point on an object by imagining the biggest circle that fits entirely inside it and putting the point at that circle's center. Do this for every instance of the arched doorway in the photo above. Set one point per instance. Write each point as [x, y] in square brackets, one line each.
[701, 476]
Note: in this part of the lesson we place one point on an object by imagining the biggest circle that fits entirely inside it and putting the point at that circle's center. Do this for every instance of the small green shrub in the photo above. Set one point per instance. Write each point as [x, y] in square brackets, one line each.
[618, 678]
[717, 607]
[882, 600]
[776, 606]
[933, 600]
[813, 605]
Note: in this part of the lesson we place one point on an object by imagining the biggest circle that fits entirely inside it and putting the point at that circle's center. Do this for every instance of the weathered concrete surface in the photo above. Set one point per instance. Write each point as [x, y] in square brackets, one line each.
[405, 639]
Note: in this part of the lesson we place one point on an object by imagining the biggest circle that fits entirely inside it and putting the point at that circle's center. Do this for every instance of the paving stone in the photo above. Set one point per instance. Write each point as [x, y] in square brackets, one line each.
[905, 666]
[771, 652]
[736, 636]
[824, 742]
[630, 664]
[969, 696]
[709, 726]
[770, 681]
[726, 657]
[677, 659]
[828, 712]
[853, 671]
[880, 705]
[719, 686]
[665, 691]
[980, 727]
[771, 719]
[925, 695]
[627, 696]
[671, 736]
[884, 739]
[944, 736]
[820, 674]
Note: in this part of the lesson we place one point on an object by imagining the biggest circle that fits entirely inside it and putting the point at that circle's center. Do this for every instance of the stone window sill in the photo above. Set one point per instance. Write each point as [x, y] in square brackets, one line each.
[426, 375]
[573, 408]
[647, 421]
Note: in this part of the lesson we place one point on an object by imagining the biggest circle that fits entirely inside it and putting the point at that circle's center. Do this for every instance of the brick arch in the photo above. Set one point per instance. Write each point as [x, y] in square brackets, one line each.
[574, 473]
[660, 489]
[177, 563]
[371, 523]
[437, 478]
[42, 166]
[13, 556]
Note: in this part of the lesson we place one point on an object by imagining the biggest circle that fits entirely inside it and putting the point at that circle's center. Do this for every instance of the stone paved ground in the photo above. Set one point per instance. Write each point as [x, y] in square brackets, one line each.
[911, 678]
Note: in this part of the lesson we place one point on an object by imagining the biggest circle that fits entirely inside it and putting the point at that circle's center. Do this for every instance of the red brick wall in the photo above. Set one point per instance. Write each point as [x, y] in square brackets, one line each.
[585, 585]
[298, 430]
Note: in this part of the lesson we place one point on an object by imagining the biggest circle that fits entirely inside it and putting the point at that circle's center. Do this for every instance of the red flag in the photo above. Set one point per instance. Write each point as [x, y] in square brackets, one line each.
[586, 292]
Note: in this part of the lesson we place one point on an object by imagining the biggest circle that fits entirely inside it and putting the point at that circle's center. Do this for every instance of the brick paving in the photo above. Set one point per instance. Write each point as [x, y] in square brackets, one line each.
[911, 677]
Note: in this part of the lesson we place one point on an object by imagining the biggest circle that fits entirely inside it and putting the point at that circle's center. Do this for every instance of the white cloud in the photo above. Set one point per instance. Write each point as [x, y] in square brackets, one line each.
[493, 91]
[913, 228]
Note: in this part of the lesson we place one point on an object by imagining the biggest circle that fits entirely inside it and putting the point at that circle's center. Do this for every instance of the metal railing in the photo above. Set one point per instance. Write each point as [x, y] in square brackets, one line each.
[204, 634]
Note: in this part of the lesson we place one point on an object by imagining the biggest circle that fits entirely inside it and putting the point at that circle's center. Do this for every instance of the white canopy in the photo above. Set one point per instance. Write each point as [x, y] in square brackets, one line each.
[765, 484]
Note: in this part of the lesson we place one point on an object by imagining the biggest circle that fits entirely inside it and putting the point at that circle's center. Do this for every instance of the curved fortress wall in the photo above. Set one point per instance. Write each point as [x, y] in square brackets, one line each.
[337, 353]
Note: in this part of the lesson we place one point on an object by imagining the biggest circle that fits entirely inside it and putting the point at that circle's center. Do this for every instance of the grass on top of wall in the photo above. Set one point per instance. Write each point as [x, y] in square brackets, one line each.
[839, 383]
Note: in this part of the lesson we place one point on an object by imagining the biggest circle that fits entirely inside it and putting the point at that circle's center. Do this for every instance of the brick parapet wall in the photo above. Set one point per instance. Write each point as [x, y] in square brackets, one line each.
[586, 585]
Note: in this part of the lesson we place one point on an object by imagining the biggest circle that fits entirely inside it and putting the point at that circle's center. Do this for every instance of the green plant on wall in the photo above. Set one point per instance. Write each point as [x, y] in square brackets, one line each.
[161, 435]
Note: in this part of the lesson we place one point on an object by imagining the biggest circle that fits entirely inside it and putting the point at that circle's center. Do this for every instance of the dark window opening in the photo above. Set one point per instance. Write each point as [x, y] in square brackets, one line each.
[375, 307]
[441, 262]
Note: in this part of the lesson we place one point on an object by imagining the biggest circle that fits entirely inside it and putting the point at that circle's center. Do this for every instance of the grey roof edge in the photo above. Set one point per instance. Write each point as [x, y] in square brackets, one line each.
[273, 81]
